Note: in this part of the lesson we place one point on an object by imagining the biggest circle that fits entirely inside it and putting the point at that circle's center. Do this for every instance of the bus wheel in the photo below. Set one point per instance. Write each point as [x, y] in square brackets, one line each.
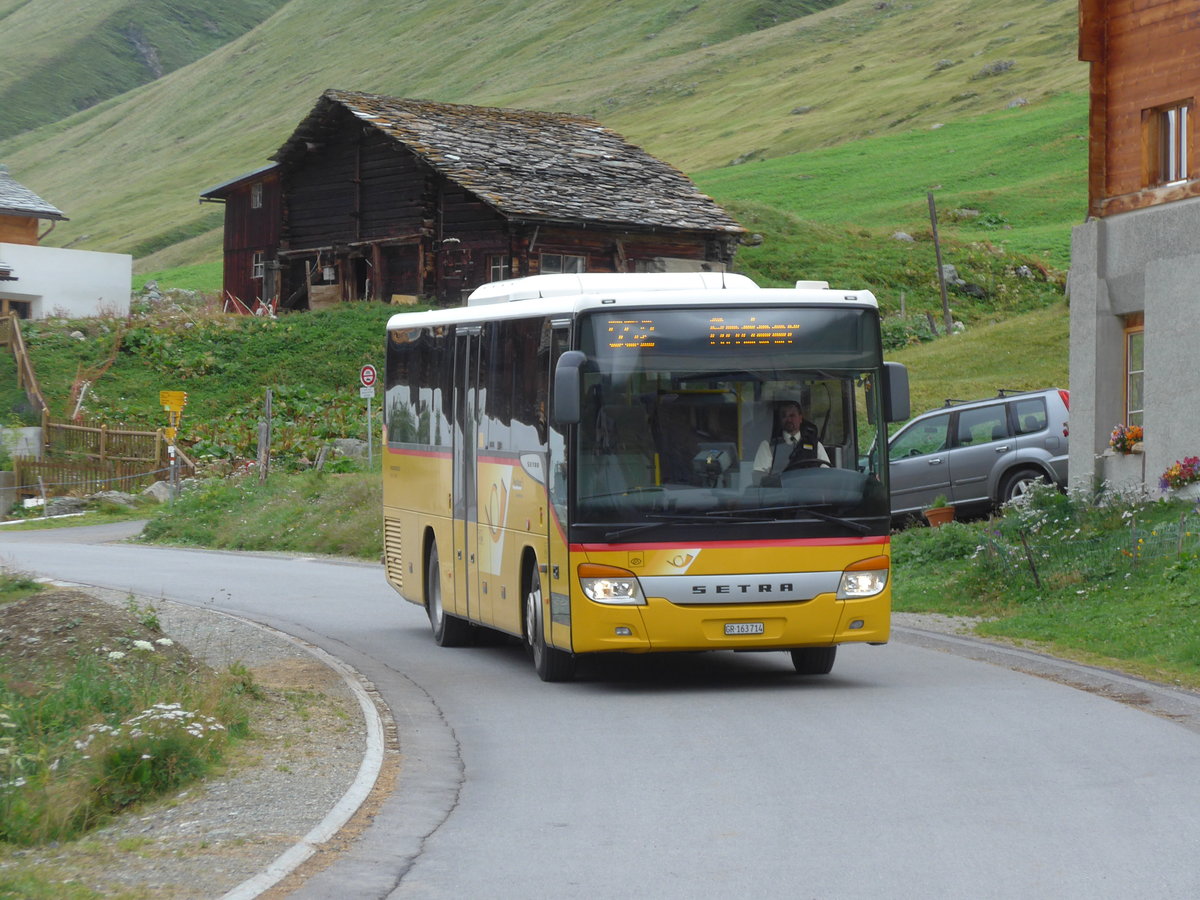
[448, 631]
[551, 663]
[814, 660]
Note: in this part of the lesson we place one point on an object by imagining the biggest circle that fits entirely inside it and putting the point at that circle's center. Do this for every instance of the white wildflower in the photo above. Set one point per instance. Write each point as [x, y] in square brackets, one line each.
[143, 645]
[165, 642]
[116, 654]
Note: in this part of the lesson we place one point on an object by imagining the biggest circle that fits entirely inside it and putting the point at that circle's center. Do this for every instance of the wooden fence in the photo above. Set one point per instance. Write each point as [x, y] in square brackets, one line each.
[81, 458]
[58, 478]
[10, 336]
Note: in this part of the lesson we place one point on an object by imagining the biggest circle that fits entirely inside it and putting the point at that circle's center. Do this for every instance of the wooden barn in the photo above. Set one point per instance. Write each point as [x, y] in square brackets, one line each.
[252, 220]
[388, 199]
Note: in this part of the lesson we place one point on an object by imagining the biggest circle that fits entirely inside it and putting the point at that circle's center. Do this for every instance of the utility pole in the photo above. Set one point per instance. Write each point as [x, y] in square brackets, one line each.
[937, 249]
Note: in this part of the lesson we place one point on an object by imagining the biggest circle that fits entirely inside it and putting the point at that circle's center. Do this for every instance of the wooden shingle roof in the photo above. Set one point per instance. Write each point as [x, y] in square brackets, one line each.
[527, 165]
[18, 200]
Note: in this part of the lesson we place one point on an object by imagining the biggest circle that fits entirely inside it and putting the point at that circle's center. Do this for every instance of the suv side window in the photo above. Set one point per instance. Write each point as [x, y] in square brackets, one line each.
[926, 436]
[1030, 415]
[983, 424]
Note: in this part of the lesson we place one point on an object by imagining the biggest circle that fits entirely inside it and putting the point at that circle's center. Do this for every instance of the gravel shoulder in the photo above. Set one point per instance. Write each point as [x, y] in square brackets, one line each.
[308, 742]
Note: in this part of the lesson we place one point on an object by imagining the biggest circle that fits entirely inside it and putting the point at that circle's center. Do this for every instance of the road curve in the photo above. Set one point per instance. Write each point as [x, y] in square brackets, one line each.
[908, 772]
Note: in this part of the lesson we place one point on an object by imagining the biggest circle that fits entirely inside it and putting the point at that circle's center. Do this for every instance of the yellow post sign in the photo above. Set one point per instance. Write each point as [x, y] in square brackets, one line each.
[173, 402]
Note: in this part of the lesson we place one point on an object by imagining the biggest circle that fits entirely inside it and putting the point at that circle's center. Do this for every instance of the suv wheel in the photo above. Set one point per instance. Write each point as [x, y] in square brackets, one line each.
[1018, 482]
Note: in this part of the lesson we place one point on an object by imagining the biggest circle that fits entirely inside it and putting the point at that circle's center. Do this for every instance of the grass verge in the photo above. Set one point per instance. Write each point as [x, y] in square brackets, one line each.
[1115, 584]
[311, 512]
[99, 712]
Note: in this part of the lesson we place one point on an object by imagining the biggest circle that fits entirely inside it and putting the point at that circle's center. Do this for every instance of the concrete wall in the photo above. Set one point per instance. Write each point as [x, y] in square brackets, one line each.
[1143, 261]
[74, 282]
[25, 441]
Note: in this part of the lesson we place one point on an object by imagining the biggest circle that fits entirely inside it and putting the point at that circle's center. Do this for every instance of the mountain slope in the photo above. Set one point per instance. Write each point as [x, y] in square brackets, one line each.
[73, 55]
[699, 84]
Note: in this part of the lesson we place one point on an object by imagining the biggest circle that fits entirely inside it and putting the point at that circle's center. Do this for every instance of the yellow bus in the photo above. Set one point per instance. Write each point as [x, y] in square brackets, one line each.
[597, 464]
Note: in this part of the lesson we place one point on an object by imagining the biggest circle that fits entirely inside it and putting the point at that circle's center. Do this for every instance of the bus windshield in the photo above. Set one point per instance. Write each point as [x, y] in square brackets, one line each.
[756, 417]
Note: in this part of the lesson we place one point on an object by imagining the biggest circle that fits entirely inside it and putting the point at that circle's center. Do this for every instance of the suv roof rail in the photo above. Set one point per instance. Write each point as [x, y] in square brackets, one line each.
[950, 401]
[1005, 392]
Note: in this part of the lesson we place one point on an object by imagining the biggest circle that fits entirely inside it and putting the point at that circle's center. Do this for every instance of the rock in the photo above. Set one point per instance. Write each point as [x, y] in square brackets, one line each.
[352, 447]
[159, 492]
[970, 290]
[903, 236]
[950, 274]
[64, 506]
[118, 497]
[78, 336]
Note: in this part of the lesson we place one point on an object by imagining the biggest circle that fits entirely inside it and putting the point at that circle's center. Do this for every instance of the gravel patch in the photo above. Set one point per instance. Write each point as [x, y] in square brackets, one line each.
[308, 743]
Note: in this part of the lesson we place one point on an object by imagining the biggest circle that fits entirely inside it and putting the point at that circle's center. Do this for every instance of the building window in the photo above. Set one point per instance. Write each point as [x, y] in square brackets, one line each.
[1135, 372]
[499, 267]
[256, 267]
[560, 262]
[1167, 135]
[256, 191]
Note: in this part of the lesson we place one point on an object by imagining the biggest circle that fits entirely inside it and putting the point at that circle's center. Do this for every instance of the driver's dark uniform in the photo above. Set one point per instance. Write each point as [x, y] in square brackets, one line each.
[792, 450]
[786, 451]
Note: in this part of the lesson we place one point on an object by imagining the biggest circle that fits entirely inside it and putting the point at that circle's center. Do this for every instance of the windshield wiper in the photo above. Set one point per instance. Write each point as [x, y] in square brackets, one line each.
[797, 510]
[690, 518]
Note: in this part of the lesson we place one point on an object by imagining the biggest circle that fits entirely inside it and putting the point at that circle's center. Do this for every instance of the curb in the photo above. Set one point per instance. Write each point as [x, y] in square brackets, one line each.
[368, 772]
[1177, 704]
[369, 702]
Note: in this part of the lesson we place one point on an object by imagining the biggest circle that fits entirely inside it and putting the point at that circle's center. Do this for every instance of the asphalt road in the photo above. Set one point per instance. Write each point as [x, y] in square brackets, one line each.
[907, 772]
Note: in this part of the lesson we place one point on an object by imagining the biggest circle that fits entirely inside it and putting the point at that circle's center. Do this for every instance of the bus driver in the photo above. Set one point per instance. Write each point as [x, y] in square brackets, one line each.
[793, 445]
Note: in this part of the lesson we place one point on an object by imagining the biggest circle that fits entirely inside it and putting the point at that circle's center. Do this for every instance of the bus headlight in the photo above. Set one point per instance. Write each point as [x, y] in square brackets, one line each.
[608, 584]
[865, 578]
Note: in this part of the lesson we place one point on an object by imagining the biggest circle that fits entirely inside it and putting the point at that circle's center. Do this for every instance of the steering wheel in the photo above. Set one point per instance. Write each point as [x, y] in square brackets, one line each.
[807, 464]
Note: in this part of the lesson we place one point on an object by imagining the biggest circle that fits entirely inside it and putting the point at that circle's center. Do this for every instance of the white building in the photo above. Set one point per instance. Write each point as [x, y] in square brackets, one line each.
[36, 281]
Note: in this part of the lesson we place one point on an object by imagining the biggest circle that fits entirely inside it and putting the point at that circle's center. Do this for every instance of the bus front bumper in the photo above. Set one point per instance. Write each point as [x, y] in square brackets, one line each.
[660, 625]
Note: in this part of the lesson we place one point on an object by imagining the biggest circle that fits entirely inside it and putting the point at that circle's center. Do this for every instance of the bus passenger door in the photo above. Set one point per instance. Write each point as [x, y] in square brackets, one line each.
[466, 443]
[556, 579]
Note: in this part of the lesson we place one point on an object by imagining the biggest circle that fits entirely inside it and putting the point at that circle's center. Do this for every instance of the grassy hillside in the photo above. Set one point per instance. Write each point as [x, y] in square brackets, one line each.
[700, 84]
[225, 364]
[109, 47]
[311, 363]
[1023, 170]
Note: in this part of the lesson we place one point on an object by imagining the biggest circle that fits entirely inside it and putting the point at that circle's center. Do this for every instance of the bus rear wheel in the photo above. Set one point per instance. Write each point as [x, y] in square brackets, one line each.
[448, 630]
[814, 660]
[550, 663]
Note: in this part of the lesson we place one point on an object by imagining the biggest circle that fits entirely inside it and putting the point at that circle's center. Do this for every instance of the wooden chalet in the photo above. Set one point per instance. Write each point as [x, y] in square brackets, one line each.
[388, 199]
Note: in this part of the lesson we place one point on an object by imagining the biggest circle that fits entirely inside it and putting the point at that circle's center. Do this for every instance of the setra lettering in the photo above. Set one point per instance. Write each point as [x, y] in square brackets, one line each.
[785, 587]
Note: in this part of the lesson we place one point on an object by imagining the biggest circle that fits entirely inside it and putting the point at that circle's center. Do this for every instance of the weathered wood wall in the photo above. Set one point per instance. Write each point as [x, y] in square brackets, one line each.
[18, 230]
[248, 230]
[1144, 55]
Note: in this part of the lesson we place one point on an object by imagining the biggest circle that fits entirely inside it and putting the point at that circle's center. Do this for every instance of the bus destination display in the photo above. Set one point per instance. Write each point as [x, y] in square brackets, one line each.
[753, 331]
[723, 331]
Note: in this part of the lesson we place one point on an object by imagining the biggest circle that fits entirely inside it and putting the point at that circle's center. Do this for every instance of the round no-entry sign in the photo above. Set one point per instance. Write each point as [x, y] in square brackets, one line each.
[367, 376]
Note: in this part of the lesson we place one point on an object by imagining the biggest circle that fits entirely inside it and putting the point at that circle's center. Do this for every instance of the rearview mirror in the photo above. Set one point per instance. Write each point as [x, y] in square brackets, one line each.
[568, 383]
[895, 392]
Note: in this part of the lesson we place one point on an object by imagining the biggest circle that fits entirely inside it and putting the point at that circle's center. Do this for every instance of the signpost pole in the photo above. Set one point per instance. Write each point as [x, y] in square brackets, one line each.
[367, 377]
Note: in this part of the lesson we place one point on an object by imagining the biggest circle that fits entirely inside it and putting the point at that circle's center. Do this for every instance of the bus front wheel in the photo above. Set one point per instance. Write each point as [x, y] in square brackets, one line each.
[448, 630]
[814, 660]
[550, 663]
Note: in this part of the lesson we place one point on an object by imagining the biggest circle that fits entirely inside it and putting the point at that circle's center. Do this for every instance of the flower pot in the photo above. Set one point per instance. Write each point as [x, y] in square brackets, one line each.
[939, 515]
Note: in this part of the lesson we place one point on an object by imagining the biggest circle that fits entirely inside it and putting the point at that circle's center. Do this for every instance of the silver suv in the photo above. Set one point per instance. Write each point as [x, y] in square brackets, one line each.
[979, 454]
